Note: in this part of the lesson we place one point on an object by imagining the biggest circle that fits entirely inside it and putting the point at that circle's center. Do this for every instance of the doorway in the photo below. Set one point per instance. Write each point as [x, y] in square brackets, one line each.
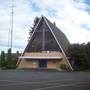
[42, 63]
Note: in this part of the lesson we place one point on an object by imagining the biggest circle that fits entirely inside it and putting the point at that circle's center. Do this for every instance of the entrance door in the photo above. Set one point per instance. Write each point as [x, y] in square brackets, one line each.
[42, 63]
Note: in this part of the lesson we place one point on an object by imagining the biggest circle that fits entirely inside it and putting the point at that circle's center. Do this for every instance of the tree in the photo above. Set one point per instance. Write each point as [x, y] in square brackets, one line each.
[2, 59]
[9, 56]
[88, 52]
[9, 59]
[79, 53]
[33, 27]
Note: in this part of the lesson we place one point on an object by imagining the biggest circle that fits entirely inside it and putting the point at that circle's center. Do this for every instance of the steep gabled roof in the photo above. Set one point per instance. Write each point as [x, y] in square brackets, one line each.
[59, 36]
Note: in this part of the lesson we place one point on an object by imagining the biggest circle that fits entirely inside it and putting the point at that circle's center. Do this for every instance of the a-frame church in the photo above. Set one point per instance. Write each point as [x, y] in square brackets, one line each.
[46, 48]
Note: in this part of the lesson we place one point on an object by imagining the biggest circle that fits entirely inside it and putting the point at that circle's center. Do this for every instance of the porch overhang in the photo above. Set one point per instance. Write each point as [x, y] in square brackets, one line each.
[29, 57]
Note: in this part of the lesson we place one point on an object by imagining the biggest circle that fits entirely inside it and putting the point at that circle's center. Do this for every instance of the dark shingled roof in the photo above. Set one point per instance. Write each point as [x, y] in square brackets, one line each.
[62, 39]
[60, 36]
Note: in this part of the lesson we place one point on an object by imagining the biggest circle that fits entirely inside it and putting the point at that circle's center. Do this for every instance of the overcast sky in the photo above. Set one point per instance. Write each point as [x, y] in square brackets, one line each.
[71, 16]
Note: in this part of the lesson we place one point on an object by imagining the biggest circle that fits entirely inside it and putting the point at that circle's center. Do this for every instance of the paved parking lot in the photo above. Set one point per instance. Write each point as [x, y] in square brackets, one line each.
[43, 80]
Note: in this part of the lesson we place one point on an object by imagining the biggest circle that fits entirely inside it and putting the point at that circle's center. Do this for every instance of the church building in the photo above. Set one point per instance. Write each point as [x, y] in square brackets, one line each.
[46, 49]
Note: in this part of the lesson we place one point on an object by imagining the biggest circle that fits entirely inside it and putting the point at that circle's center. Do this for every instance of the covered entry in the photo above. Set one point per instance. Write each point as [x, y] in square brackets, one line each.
[42, 64]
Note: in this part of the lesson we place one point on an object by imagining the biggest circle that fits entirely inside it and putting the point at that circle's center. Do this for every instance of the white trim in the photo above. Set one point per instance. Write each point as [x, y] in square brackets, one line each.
[31, 57]
[29, 40]
[59, 44]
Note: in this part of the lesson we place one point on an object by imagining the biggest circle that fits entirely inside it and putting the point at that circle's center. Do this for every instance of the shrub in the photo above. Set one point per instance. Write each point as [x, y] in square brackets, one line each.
[63, 66]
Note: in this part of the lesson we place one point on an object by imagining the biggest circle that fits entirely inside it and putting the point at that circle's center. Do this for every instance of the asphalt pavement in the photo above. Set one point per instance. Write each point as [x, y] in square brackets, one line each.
[43, 80]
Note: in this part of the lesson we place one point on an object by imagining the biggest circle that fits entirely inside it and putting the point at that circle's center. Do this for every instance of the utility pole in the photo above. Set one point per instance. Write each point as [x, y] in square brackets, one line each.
[10, 34]
[12, 13]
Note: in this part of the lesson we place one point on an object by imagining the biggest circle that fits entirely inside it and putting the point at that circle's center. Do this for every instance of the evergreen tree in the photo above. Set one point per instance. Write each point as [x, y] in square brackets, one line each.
[80, 54]
[2, 59]
[33, 27]
[9, 58]
[88, 52]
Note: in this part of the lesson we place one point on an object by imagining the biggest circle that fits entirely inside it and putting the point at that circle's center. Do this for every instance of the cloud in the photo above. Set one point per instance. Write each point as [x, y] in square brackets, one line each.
[21, 23]
[71, 16]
